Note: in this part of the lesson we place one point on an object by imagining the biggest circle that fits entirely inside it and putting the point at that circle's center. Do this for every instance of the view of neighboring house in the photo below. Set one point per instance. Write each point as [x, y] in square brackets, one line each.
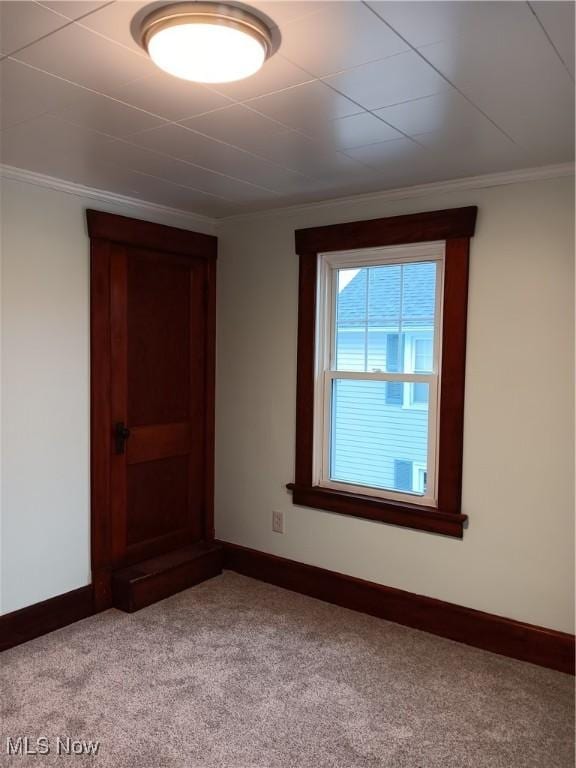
[385, 323]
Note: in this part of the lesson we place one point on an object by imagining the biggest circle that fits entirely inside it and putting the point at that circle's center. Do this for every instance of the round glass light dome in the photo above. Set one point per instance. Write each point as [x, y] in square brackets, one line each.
[206, 42]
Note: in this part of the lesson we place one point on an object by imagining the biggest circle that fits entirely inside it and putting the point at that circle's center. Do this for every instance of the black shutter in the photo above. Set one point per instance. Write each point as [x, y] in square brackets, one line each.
[394, 389]
[402, 475]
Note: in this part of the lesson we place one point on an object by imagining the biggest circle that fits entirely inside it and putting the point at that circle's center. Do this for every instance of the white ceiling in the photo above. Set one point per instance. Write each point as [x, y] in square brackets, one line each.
[360, 97]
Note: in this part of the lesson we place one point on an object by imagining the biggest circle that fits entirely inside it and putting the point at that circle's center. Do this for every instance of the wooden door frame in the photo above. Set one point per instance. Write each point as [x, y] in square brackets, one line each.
[104, 230]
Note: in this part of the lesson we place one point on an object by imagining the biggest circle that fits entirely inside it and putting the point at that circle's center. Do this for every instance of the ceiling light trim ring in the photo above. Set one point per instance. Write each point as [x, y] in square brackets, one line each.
[206, 13]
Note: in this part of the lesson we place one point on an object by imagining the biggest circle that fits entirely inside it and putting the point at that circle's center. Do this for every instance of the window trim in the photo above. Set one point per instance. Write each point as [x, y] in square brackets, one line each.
[454, 226]
[326, 371]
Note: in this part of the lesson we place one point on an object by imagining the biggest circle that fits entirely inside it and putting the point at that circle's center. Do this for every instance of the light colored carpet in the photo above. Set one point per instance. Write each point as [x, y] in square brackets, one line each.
[235, 673]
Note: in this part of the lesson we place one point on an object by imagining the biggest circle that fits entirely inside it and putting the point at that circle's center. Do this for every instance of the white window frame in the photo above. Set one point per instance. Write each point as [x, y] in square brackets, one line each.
[325, 373]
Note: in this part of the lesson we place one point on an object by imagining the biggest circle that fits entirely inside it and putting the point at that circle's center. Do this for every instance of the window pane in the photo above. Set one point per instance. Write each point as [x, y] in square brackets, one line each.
[378, 312]
[420, 393]
[372, 441]
[423, 355]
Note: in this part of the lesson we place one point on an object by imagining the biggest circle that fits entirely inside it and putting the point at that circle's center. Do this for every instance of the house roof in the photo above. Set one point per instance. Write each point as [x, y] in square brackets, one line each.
[389, 296]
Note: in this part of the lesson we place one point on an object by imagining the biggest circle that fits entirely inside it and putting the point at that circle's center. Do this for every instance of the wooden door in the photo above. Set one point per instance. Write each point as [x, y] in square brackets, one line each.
[152, 391]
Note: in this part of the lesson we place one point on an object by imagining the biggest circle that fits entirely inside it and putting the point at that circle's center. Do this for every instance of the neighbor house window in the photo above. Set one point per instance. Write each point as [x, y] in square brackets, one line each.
[422, 361]
[381, 354]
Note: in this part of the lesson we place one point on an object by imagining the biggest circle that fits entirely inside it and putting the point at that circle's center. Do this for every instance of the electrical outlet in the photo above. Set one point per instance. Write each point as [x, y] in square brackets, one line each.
[278, 522]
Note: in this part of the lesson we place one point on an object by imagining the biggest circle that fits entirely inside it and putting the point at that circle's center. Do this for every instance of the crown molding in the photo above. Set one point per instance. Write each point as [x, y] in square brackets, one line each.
[92, 193]
[400, 193]
[420, 190]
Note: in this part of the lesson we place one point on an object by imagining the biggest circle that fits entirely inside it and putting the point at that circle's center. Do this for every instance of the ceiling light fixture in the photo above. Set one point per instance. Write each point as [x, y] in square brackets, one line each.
[206, 42]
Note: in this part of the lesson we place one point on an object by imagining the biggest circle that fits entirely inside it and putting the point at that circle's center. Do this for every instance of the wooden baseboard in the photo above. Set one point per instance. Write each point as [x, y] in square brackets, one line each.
[39, 619]
[538, 645]
[145, 583]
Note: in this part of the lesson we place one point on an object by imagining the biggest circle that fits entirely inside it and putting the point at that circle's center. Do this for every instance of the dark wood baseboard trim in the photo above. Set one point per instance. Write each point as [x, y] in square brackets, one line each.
[152, 580]
[538, 645]
[527, 642]
[39, 619]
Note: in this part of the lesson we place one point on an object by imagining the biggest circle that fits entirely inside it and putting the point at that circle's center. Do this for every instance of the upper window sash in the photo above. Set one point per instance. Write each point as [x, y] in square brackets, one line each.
[330, 263]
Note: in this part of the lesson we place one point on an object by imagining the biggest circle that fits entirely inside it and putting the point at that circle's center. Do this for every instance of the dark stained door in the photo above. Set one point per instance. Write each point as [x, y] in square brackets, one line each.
[160, 384]
[157, 312]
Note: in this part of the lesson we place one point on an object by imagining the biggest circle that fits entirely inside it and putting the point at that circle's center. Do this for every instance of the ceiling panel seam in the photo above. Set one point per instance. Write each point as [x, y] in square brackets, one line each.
[69, 23]
[545, 31]
[443, 76]
[166, 123]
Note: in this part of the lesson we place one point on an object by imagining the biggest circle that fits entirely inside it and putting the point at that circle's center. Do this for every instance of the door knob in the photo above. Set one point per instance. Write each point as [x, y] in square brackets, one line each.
[121, 434]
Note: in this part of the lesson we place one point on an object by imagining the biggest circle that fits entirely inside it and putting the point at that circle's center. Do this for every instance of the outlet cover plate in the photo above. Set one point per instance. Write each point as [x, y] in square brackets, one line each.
[278, 522]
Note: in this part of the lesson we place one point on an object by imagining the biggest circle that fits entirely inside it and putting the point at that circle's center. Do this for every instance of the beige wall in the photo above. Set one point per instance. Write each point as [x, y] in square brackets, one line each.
[516, 558]
[45, 405]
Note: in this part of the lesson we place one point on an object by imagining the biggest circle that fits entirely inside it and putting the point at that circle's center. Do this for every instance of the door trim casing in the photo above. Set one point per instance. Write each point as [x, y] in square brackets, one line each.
[105, 230]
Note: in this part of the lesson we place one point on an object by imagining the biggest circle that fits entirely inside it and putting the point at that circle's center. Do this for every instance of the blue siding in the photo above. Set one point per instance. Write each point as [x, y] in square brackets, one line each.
[368, 435]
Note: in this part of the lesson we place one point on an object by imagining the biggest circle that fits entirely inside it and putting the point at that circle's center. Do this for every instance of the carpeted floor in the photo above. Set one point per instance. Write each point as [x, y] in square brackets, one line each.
[235, 673]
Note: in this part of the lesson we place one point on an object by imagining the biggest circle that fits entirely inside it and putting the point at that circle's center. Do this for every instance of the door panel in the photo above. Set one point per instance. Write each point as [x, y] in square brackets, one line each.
[158, 441]
[159, 338]
[157, 499]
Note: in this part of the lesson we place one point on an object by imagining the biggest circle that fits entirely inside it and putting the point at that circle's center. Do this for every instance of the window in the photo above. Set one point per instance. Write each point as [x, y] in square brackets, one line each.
[422, 362]
[403, 475]
[409, 476]
[381, 356]
[378, 370]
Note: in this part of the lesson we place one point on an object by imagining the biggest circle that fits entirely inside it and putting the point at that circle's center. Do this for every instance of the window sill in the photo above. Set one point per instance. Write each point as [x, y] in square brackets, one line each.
[407, 515]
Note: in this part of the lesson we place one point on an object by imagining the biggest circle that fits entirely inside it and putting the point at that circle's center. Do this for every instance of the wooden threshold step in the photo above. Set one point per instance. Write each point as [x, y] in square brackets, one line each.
[137, 586]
